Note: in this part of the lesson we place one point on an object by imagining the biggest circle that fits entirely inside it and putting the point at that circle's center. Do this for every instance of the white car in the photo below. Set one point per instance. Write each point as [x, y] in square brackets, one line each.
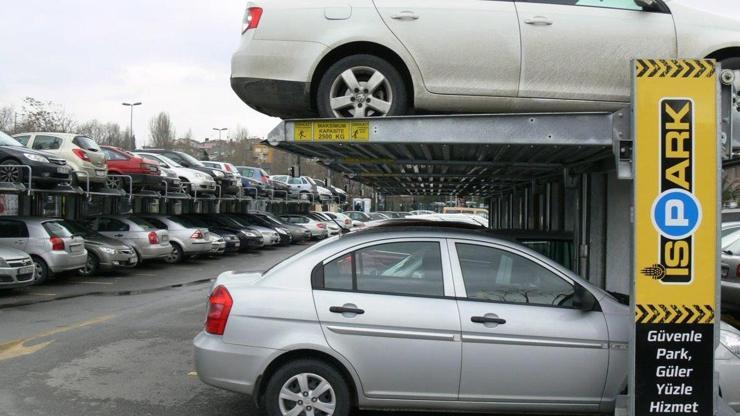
[365, 58]
[464, 218]
[190, 179]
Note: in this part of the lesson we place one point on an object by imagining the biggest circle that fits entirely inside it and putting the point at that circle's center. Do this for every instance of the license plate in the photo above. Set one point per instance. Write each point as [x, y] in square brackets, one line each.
[26, 270]
[100, 173]
[63, 171]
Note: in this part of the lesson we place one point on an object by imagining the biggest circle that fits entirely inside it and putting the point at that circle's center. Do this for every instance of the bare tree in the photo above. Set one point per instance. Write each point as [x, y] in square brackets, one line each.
[7, 119]
[162, 132]
[44, 116]
[105, 133]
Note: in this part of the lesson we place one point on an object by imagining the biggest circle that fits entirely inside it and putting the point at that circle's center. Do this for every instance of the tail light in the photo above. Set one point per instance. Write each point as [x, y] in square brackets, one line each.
[228, 167]
[57, 244]
[149, 167]
[81, 154]
[219, 308]
[252, 19]
[321, 225]
[348, 222]
[153, 238]
[198, 235]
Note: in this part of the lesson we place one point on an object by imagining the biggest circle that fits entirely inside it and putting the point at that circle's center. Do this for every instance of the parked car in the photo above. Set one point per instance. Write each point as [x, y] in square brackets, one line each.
[358, 216]
[235, 239]
[16, 269]
[250, 237]
[186, 238]
[281, 189]
[306, 188]
[53, 249]
[422, 212]
[218, 245]
[730, 269]
[338, 194]
[319, 229]
[256, 178]
[191, 181]
[144, 173]
[103, 253]
[149, 242]
[229, 185]
[228, 168]
[390, 214]
[382, 57]
[340, 219]
[467, 300]
[250, 220]
[47, 170]
[82, 154]
[332, 226]
[298, 233]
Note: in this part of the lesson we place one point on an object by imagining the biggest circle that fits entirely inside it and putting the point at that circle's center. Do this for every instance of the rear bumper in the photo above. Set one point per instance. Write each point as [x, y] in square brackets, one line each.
[231, 367]
[154, 251]
[62, 261]
[284, 99]
[46, 173]
[197, 247]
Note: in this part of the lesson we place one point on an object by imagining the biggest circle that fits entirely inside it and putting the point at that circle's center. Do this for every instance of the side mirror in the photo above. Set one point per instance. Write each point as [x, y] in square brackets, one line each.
[583, 299]
[647, 4]
[728, 252]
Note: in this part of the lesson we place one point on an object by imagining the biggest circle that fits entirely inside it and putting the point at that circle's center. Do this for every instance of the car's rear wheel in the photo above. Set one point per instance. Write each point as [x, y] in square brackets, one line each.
[91, 266]
[42, 270]
[9, 173]
[176, 256]
[731, 63]
[114, 182]
[361, 86]
[307, 388]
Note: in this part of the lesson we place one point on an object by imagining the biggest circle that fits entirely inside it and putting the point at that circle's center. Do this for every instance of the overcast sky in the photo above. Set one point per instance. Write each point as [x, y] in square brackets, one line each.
[91, 55]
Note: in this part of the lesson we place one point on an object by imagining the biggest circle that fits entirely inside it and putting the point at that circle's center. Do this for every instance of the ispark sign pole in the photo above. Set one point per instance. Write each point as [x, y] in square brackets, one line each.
[676, 258]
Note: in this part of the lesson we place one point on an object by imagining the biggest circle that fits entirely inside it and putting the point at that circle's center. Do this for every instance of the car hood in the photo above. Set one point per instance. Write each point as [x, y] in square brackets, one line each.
[11, 253]
[21, 149]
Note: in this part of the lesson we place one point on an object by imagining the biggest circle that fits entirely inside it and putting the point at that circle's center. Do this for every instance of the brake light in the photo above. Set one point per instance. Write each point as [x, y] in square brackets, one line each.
[153, 238]
[252, 20]
[348, 222]
[321, 225]
[81, 154]
[198, 235]
[57, 244]
[228, 167]
[219, 308]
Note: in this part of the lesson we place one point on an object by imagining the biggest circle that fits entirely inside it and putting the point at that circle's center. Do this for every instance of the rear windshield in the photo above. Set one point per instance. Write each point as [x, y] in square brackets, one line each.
[77, 229]
[86, 143]
[142, 223]
[247, 172]
[185, 222]
[6, 140]
[193, 161]
[55, 229]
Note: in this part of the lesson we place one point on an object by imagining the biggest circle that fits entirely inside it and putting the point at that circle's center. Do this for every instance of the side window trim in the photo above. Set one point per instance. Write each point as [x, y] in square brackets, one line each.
[445, 257]
[457, 276]
[662, 8]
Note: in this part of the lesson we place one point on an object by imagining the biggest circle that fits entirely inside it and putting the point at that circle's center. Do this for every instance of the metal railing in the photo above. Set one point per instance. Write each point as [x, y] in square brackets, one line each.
[130, 184]
[30, 176]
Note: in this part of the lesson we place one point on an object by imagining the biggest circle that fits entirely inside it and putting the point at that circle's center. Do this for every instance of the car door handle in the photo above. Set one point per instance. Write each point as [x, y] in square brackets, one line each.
[344, 309]
[487, 320]
[118, 235]
[538, 21]
[406, 16]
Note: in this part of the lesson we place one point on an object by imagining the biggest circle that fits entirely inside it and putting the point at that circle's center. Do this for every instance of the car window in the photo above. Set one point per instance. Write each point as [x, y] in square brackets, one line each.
[157, 223]
[501, 276]
[294, 181]
[561, 251]
[729, 230]
[113, 155]
[175, 157]
[144, 224]
[55, 229]
[47, 143]
[112, 225]
[412, 268]
[85, 143]
[607, 4]
[13, 229]
[22, 139]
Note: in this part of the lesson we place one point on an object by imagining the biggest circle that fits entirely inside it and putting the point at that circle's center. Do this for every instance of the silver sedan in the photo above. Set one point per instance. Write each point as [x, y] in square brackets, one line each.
[422, 318]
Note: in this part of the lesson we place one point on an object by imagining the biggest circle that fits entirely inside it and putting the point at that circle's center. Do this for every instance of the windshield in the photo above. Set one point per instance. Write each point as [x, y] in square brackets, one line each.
[55, 229]
[6, 140]
[85, 143]
[193, 161]
[185, 222]
[78, 229]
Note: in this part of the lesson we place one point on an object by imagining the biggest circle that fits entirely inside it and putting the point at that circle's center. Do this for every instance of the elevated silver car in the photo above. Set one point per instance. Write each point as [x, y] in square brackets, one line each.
[319, 229]
[149, 242]
[52, 248]
[16, 269]
[424, 318]
[186, 239]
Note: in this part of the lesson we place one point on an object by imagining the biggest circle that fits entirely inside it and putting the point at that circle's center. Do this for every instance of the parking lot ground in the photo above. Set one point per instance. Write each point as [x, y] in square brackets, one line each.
[100, 354]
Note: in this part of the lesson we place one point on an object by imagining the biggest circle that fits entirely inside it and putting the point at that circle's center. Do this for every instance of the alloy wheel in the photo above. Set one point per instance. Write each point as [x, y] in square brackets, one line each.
[361, 91]
[9, 174]
[307, 394]
[113, 183]
[89, 266]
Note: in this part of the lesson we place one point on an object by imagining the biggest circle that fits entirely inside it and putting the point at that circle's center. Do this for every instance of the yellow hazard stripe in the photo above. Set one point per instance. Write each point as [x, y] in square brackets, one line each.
[675, 68]
[674, 314]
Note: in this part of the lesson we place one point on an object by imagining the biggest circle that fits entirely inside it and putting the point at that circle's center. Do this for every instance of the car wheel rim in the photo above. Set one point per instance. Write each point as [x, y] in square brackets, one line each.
[39, 270]
[174, 255]
[89, 267]
[307, 394]
[8, 174]
[361, 92]
[114, 183]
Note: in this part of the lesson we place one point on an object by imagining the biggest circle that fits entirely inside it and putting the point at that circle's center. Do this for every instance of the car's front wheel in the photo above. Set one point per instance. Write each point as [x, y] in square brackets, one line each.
[362, 86]
[9, 171]
[91, 266]
[307, 388]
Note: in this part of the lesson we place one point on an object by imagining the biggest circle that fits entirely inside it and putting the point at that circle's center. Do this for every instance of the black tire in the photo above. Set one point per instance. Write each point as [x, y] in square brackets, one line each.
[731, 63]
[177, 255]
[42, 270]
[396, 86]
[185, 186]
[9, 174]
[271, 399]
[92, 266]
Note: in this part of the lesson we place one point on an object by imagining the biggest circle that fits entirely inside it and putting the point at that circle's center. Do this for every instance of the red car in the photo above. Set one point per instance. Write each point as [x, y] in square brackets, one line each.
[145, 173]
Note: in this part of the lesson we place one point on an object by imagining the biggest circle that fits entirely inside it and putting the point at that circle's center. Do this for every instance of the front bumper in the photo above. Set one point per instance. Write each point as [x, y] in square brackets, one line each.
[228, 366]
[10, 277]
[46, 173]
[197, 247]
[125, 259]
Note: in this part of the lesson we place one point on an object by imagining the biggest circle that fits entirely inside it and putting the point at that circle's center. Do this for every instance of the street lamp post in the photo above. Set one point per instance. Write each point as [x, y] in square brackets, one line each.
[131, 126]
[219, 131]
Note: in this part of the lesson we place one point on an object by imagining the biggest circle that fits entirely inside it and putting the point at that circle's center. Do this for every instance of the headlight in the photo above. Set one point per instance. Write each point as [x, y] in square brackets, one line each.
[250, 234]
[36, 158]
[201, 176]
[218, 173]
[108, 250]
[282, 231]
[4, 263]
[731, 341]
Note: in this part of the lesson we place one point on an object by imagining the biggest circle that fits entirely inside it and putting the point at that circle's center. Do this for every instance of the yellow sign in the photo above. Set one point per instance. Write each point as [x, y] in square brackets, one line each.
[331, 131]
[303, 131]
[676, 198]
